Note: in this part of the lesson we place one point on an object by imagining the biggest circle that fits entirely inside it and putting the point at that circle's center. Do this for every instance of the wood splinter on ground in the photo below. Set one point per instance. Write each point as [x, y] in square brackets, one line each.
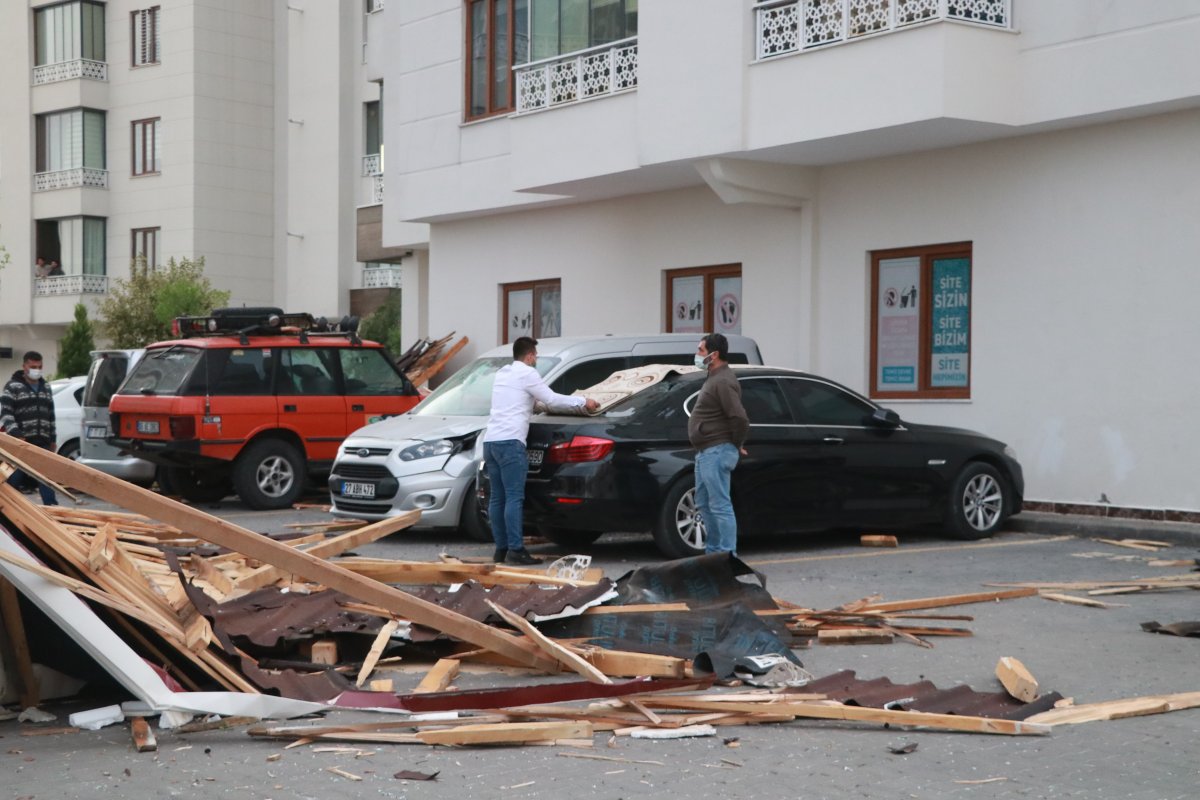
[878, 540]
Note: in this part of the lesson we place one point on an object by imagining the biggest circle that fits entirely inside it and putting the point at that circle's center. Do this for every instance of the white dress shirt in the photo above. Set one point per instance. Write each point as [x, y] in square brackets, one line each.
[516, 389]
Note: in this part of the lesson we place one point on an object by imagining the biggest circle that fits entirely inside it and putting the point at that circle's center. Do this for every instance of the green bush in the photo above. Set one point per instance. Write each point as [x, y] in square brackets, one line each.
[383, 324]
[139, 310]
[74, 351]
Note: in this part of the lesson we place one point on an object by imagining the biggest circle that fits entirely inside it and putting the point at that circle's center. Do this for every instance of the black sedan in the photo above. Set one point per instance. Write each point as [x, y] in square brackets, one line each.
[819, 456]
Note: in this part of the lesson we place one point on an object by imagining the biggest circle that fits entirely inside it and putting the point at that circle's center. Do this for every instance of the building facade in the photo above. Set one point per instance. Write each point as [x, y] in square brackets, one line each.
[245, 131]
[978, 212]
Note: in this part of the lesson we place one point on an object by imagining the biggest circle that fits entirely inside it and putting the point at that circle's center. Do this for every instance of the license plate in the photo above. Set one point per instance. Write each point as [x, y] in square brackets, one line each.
[535, 457]
[357, 489]
[147, 426]
[97, 431]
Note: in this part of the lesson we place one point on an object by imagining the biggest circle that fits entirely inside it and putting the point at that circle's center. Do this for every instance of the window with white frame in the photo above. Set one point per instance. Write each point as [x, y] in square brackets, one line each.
[143, 35]
[69, 140]
[145, 147]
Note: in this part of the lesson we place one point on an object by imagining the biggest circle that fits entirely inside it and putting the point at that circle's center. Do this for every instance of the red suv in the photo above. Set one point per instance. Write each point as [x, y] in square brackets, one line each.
[253, 401]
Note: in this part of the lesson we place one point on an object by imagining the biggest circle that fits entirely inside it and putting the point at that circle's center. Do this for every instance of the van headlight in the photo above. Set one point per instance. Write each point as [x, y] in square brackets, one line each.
[440, 447]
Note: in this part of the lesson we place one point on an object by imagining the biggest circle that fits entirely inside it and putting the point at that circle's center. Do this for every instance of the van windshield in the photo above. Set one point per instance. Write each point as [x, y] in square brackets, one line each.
[468, 392]
[162, 371]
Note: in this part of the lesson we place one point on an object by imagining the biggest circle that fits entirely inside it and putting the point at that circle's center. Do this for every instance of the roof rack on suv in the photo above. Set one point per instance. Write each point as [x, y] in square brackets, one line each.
[244, 322]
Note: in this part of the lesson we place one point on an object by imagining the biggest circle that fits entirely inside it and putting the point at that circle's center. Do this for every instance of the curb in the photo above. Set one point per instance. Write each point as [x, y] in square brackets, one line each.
[1178, 533]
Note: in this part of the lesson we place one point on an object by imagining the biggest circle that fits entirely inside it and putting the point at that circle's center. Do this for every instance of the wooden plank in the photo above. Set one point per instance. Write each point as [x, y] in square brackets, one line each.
[507, 733]
[1016, 679]
[553, 649]
[328, 548]
[624, 664]
[209, 573]
[305, 565]
[1070, 599]
[878, 540]
[440, 677]
[14, 624]
[381, 641]
[1136, 544]
[952, 722]
[1118, 709]
[143, 737]
[950, 600]
[647, 608]
[854, 636]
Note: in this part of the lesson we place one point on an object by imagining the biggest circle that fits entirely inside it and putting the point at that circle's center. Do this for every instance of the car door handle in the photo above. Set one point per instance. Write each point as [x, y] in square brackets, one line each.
[289, 408]
[833, 440]
[357, 407]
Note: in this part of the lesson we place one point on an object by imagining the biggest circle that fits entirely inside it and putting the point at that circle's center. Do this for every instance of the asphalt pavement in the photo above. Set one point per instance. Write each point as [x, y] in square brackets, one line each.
[1089, 654]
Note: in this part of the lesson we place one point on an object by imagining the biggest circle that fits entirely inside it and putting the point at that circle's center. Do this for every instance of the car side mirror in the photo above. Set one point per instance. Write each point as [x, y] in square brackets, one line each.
[885, 417]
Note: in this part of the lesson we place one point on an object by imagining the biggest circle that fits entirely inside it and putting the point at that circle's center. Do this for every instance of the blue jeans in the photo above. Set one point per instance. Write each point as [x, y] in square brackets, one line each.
[507, 465]
[19, 480]
[714, 465]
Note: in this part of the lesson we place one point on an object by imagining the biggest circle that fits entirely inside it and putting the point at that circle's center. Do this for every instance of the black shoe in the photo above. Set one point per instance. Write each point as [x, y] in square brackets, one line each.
[498, 556]
[520, 557]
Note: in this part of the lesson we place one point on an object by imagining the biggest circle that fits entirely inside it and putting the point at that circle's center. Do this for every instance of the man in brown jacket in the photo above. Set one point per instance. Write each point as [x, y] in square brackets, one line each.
[717, 429]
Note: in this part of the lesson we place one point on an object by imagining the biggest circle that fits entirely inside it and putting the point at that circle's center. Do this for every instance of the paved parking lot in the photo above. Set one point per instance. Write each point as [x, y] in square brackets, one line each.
[1089, 654]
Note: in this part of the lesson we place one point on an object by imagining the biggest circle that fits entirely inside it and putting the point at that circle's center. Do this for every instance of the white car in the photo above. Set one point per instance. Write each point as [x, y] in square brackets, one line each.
[427, 458]
[68, 414]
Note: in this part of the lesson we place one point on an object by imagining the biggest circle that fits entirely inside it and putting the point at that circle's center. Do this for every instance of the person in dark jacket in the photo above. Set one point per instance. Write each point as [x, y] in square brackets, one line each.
[717, 430]
[27, 412]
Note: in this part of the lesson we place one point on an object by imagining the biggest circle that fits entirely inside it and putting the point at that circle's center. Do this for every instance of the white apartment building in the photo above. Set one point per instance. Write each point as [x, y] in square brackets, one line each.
[244, 131]
[979, 212]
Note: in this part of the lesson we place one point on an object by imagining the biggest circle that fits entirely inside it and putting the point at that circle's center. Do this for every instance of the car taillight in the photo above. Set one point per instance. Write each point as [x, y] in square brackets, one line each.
[183, 427]
[580, 448]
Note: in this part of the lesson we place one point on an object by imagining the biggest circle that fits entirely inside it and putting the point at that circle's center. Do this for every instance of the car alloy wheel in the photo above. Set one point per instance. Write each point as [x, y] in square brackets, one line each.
[983, 502]
[275, 476]
[688, 522]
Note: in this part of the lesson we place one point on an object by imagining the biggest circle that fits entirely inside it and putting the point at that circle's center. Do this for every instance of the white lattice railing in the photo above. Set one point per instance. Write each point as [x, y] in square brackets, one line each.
[381, 277]
[372, 165]
[582, 75]
[68, 178]
[377, 190]
[374, 5]
[69, 70]
[789, 26]
[70, 284]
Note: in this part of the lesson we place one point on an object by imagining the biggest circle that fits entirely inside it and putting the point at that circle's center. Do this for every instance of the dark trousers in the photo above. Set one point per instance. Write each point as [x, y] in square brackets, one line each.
[507, 464]
[20, 480]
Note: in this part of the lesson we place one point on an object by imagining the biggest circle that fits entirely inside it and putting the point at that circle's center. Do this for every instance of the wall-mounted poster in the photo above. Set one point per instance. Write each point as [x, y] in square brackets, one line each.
[687, 304]
[727, 305]
[951, 319]
[520, 314]
[899, 324]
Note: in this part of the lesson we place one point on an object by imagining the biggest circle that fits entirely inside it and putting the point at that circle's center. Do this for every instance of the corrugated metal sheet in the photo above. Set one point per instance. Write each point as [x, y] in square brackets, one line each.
[925, 696]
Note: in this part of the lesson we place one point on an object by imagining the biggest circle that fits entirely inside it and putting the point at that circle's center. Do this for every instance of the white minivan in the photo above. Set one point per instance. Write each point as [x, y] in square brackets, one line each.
[425, 458]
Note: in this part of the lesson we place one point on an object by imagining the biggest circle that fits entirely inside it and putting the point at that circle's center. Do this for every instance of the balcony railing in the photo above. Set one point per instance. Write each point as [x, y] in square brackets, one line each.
[58, 285]
[790, 26]
[70, 70]
[372, 164]
[68, 178]
[582, 75]
[377, 190]
[374, 5]
[381, 277]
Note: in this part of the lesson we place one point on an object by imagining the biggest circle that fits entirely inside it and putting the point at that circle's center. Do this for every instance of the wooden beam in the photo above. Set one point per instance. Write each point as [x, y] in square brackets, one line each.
[143, 737]
[878, 540]
[440, 677]
[953, 722]
[507, 733]
[555, 650]
[949, 600]
[381, 640]
[10, 610]
[1016, 679]
[305, 565]
[1118, 709]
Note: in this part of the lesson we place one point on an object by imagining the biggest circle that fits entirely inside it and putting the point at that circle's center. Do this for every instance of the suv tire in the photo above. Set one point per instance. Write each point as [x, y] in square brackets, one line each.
[679, 531]
[978, 502]
[198, 485]
[269, 474]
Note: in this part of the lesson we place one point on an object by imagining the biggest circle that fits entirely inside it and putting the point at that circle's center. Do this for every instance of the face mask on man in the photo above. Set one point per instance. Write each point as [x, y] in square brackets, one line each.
[34, 374]
[701, 361]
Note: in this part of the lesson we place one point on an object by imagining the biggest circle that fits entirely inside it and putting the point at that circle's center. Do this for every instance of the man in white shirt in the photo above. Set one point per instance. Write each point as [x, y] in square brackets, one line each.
[517, 387]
